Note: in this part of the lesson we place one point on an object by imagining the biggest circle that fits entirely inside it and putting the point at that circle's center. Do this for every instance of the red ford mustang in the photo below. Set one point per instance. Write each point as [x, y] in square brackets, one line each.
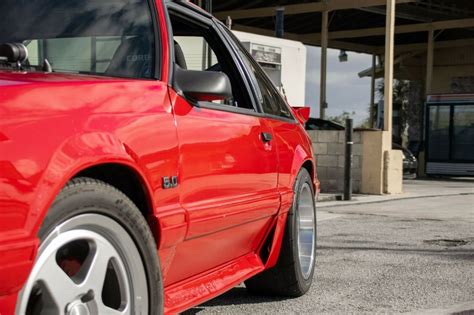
[147, 164]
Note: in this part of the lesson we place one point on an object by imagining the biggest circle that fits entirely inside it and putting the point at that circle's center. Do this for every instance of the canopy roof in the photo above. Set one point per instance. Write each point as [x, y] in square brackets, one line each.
[357, 25]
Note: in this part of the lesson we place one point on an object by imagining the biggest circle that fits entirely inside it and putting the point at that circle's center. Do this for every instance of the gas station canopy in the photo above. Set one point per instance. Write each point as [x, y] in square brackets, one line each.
[356, 25]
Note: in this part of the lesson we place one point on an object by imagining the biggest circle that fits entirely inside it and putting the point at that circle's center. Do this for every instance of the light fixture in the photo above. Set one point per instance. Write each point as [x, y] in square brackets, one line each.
[343, 56]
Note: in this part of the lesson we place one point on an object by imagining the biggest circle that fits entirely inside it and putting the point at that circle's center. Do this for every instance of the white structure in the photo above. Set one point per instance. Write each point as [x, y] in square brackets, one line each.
[292, 65]
[283, 60]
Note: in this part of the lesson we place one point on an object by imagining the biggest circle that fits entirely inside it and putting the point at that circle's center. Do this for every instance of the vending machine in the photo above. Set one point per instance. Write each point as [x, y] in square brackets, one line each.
[450, 135]
[269, 58]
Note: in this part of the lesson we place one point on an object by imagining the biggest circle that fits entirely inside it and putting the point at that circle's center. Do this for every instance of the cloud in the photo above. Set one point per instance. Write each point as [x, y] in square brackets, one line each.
[345, 90]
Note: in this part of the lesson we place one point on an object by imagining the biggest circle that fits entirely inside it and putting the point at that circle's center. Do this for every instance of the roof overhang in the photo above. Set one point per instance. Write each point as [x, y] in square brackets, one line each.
[356, 25]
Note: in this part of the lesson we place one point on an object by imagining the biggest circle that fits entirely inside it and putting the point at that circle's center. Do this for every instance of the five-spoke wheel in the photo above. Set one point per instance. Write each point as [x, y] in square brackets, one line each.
[97, 256]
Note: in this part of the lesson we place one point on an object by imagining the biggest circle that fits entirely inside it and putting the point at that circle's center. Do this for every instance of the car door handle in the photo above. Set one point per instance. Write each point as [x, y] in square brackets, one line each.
[266, 137]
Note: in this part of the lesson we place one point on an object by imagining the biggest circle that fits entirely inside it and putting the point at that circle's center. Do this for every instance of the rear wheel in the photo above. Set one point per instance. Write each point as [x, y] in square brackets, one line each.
[97, 256]
[293, 274]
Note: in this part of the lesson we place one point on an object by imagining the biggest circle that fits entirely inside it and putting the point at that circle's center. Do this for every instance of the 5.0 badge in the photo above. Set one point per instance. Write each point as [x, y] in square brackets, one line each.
[170, 182]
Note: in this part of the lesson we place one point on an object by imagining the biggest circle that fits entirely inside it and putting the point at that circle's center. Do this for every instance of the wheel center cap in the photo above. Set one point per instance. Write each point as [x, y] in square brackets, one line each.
[78, 308]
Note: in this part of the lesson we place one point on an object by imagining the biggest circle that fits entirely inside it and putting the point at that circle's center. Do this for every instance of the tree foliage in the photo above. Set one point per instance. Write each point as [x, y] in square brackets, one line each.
[341, 119]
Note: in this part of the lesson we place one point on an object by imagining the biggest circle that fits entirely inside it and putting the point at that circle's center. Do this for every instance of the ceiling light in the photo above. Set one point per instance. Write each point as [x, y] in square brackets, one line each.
[343, 56]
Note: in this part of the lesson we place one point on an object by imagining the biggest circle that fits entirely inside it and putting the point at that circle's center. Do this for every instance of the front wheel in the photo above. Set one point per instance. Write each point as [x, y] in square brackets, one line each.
[97, 256]
[293, 274]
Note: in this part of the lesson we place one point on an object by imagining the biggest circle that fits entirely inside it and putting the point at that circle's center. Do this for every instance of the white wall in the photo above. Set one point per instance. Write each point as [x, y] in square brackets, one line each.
[293, 64]
[192, 47]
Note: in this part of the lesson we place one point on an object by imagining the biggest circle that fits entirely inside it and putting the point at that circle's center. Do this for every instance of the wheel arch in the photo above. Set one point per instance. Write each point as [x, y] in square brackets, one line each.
[304, 158]
[126, 179]
[309, 166]
[106, 159]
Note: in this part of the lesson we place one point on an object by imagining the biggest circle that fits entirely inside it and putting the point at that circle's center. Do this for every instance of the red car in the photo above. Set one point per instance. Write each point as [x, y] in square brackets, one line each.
[147, 164]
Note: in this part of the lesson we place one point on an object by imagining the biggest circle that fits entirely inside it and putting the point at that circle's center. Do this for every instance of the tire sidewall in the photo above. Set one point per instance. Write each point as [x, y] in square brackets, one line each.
[99, 198]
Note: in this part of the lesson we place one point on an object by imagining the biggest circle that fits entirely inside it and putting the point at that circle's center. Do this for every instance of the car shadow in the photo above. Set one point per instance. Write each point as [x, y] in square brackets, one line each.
[235, 296]
[239, 295]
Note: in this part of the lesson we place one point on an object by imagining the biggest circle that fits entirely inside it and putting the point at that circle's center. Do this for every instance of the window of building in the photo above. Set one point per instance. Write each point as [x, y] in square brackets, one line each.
[439, 121]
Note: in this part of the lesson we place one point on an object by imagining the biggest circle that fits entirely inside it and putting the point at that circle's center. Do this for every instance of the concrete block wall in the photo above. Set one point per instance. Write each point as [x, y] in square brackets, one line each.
[329, 150]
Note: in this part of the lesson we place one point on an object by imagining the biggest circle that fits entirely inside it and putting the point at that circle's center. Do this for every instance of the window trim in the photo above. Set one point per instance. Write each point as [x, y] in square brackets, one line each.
[158, 62]
[224, 33]
[193, 17]
[203, 21]
[245, 71]
[239, 110]
[226, 108]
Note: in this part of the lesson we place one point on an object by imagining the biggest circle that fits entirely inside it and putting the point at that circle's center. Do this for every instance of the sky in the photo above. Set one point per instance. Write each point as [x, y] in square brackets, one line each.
[345, 90]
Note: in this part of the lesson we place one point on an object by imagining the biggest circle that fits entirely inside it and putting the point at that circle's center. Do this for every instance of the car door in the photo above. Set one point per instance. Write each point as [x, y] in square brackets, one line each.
[228, 166]
[287, 132]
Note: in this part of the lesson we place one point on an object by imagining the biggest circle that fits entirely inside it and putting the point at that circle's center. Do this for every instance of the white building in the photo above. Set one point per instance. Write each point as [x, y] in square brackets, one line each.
[286, 64]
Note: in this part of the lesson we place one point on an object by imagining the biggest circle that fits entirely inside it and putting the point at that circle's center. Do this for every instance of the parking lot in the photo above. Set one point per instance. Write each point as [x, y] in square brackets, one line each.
[408, 253]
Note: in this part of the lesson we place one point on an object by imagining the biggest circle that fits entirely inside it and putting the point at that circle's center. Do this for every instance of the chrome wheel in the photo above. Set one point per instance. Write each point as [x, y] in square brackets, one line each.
[87, 265]
[306, 231]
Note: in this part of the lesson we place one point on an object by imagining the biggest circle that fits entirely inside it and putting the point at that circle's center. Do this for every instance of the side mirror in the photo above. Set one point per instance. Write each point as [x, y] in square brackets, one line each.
[202, 85]
[302, 113]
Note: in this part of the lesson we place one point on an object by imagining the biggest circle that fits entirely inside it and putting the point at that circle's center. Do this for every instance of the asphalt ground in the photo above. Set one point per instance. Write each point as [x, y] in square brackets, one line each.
[399, 256]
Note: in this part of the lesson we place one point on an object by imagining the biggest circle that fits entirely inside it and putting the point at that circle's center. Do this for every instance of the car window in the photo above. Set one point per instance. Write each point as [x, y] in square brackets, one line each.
[198, 47]
[270, 99]
[113, 38]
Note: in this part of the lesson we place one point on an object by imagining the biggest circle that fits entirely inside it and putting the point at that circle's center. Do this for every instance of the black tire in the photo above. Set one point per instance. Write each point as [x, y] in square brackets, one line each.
[84, 196]
[286, 278]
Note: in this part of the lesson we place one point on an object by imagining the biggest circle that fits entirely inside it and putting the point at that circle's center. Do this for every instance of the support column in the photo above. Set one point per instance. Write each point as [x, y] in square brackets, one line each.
[372, 92]
[429, 63]
[280, 22]
[324, 60]
[428, 91]
[389, 53]
[392, 160]
[209, 50]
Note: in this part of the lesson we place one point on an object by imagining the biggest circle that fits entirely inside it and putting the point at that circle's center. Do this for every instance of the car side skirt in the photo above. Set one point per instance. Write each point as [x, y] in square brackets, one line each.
[190, 292]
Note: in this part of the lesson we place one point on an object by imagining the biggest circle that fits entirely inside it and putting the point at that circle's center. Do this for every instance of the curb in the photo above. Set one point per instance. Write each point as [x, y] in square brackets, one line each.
[355, 202]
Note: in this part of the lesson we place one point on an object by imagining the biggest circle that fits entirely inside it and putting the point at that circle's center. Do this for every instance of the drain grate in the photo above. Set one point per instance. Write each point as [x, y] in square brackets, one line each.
[447, 242]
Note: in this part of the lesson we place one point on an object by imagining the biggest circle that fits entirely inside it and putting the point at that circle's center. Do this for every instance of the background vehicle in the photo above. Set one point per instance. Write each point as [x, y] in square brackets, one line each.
[323, 124]
[132, 185]
[410, 163]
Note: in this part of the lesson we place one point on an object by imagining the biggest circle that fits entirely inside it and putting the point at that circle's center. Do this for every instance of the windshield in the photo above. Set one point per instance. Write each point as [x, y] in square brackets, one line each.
[83, 36]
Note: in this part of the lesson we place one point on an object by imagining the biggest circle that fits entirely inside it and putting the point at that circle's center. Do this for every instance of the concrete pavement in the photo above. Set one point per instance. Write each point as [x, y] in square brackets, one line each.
[399, 256]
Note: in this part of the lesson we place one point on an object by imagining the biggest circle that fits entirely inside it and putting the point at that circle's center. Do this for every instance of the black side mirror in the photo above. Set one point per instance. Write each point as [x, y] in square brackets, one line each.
[202, 85]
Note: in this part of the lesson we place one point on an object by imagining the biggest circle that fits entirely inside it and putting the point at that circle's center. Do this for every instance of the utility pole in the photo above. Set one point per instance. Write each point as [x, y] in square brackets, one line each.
[389, 55]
